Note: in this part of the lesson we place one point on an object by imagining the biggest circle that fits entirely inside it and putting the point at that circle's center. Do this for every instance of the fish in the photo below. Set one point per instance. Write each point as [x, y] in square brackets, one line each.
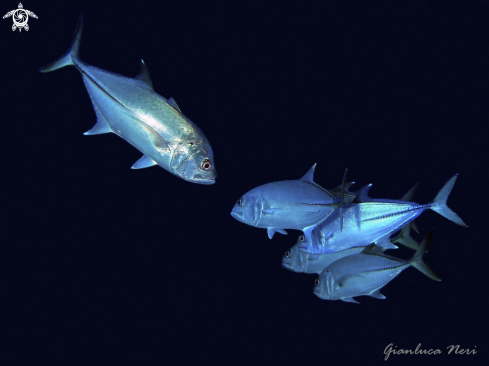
[131, 109]
[372, 221]
[365, 273]
[302, 262]
[288, 204]
[299, 261]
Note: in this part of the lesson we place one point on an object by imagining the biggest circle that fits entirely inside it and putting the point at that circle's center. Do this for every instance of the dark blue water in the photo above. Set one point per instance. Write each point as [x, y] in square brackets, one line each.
[104, 265]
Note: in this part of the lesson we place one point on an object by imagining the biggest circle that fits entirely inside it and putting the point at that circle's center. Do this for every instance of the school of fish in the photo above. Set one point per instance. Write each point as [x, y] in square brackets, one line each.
[345, 233]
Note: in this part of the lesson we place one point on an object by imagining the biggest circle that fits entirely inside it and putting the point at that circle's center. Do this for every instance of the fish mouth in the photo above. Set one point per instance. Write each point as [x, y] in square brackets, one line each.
[316, 291]
[203, 180]
[287, 266]
[237, 215]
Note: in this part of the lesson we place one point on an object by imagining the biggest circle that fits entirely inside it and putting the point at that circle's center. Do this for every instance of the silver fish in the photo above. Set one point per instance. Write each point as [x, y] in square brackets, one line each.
[366, 273]
[372, 221]
[130, 108]
[289, 204]
[300, 261]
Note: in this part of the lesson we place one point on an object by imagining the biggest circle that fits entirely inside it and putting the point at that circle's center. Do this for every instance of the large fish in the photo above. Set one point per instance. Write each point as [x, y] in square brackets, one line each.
[288, 204]
[372, 221]
[130, 108]
[366, 273]
[300, 261]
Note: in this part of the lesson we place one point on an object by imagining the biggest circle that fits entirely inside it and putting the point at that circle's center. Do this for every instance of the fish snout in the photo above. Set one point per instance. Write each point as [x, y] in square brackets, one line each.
[237, 215]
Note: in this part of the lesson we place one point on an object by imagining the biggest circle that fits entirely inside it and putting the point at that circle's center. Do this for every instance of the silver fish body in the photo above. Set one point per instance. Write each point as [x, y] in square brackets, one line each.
[366, 273]
[130, 108]
[290, 204]
[302, 262]
[372, 222]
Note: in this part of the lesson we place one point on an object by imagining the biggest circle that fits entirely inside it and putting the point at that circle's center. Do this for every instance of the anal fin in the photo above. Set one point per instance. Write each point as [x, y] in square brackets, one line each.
[385, 242]
[350, 299]
[272, 230]
[377, 295]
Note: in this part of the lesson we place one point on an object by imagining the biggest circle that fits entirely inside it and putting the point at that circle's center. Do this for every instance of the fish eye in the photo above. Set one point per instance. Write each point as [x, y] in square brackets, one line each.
[316, 281]
[206, 165]
[287, 253]
[241, 202]
[302, 238]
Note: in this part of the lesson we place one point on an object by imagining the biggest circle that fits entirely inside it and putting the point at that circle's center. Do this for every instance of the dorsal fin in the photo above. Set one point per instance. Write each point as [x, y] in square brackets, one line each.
[144, 75]
[408, 197]
[309, 176]
[362, 194]
[174, 104]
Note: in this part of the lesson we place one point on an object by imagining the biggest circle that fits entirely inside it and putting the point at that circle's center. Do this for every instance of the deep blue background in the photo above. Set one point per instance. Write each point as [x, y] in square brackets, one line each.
[104, 265]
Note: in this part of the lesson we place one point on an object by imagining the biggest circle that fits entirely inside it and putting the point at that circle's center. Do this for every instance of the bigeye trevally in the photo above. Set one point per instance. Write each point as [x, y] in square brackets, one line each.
[373, 221]
[288, 204]
[300, 261]
[366, 273]
[130, 108]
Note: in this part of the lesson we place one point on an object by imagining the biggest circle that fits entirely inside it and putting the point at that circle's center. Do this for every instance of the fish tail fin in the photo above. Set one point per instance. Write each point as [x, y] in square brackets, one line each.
[417, 259]
[440, 202]
[72, 54]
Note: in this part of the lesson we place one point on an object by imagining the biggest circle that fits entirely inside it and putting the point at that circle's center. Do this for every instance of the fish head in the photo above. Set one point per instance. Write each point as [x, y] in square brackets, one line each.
[248, 208]
[324, 285]
[292, 259]
[193, 161]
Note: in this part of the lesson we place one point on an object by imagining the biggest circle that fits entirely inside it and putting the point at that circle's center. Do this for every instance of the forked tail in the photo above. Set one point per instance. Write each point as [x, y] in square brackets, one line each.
[440, 202]
[72, 54]
[417, 259]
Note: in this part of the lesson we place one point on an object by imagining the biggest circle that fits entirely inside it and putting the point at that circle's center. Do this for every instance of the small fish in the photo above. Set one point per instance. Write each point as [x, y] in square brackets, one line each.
[289, 204]
[130, 108]
[366, 273]
[372, 221]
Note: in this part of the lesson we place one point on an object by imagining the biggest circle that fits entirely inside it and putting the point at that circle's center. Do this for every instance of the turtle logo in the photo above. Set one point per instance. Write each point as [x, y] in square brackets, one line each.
[20, 17]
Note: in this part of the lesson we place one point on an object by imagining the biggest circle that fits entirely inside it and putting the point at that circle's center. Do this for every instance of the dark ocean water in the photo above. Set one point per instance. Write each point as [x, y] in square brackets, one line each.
[104, 265]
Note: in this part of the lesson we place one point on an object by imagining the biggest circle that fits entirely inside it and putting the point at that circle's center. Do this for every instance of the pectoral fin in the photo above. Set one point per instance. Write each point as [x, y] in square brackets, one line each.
[341, 282]
[270, 210]
[272, 230]
[144, 162]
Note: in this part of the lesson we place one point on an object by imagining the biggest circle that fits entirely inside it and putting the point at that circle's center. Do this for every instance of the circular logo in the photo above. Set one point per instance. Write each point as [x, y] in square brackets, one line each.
[20, 18]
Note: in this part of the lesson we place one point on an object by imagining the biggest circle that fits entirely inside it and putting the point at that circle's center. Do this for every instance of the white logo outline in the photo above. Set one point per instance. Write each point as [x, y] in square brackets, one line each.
[20, 17]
